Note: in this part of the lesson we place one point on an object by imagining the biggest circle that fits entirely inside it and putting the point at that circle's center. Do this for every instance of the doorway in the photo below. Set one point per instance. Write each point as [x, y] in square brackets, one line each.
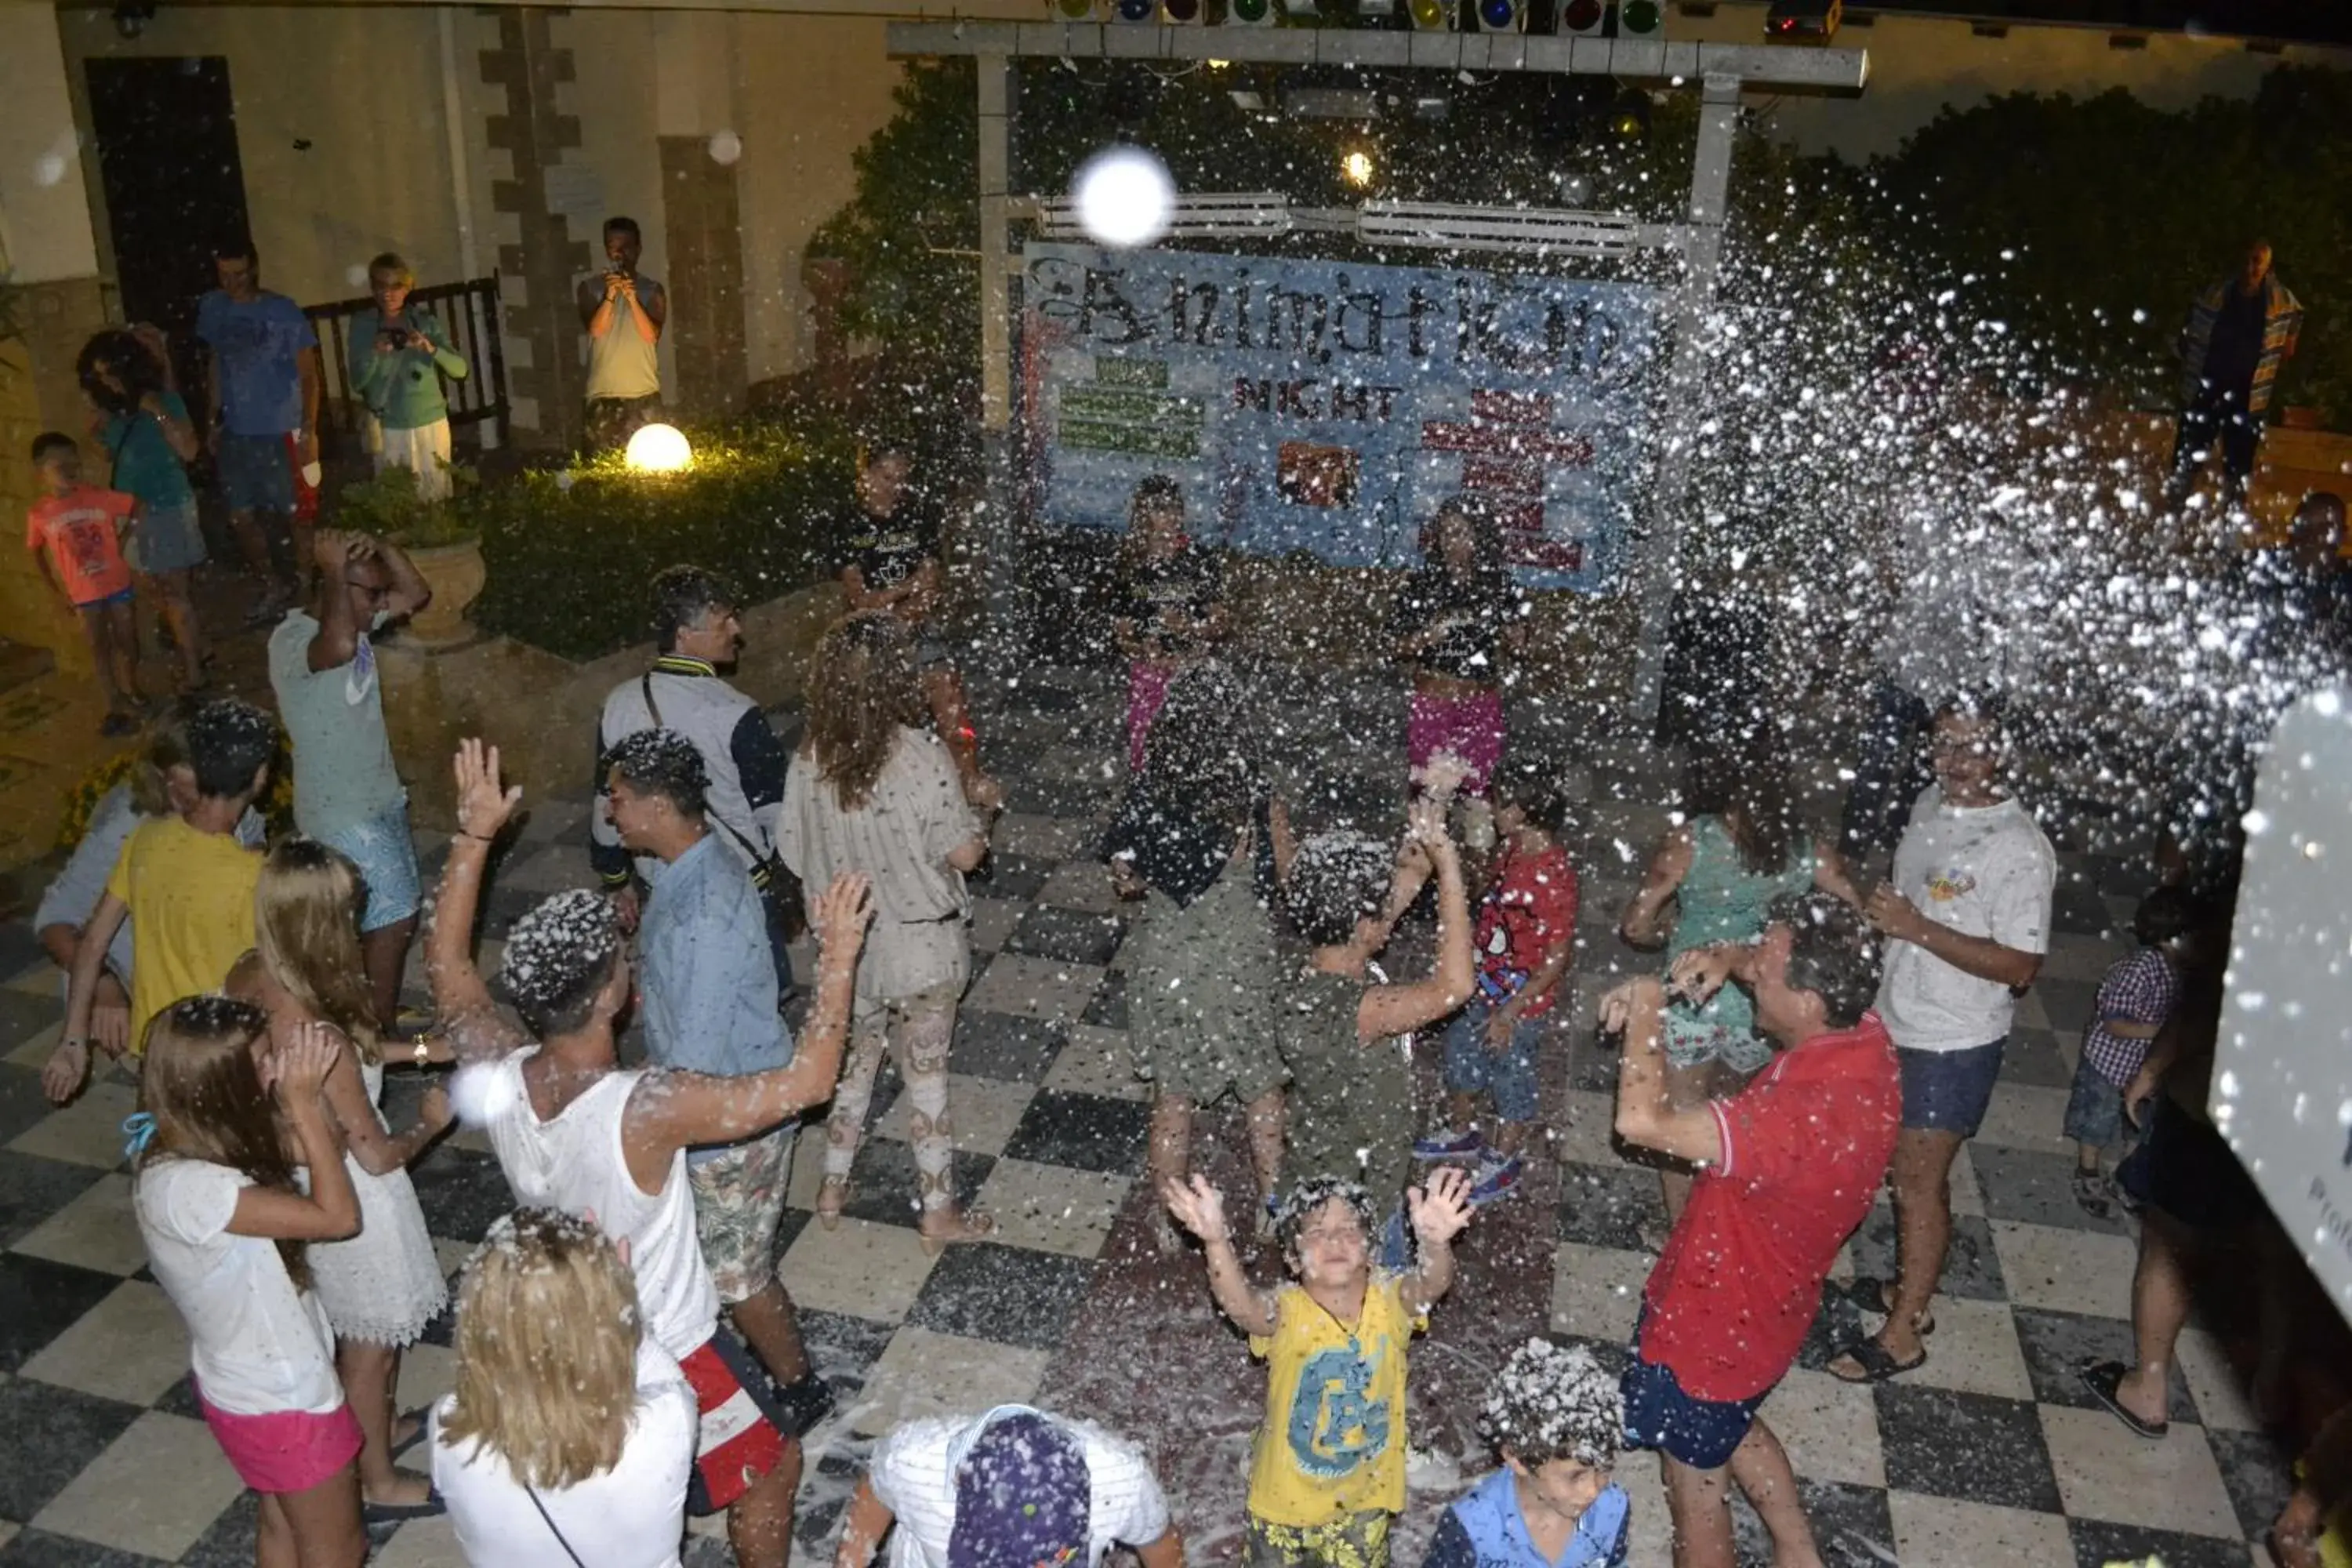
[166, 133]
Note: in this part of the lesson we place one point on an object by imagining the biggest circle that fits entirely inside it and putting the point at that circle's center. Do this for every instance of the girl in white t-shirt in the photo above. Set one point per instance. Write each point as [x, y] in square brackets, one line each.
[225, 1223]
[571, 1435]
[381, 1287]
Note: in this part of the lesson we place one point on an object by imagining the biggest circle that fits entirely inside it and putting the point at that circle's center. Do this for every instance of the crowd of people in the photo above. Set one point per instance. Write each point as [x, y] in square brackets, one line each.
[627, 1353]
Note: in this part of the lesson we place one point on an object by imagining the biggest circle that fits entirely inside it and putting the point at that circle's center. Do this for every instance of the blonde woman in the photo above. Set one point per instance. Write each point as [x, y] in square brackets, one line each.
[571, 1435]
[874, 792]
[381, 1287]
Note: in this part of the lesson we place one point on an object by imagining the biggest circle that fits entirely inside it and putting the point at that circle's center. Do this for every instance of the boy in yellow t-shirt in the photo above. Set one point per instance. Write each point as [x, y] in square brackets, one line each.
[1327, 1479]
[187, 884]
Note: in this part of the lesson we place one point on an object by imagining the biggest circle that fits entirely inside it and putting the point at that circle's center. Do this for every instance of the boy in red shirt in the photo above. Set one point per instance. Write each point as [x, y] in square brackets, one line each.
[1788, 1168]
[76, 532]
[1525, 936]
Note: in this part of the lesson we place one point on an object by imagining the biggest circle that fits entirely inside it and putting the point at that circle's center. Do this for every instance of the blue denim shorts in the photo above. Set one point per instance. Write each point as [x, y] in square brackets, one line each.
[256, 473]
[1948, 1092]
[1700, 1433]
[2095, 1108]
[1508, 1074]
[386, 858]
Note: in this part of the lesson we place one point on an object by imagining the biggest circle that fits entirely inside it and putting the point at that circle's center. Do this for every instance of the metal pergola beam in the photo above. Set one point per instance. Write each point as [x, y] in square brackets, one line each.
[1830, 70]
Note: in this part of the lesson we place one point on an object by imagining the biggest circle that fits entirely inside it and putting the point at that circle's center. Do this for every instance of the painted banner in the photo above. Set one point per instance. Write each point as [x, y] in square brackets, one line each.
[1328, 407]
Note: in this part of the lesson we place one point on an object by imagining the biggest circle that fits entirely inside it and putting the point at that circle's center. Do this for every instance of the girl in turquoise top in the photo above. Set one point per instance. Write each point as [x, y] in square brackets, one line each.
[399, 352]
[1734, 850]
[145, 430]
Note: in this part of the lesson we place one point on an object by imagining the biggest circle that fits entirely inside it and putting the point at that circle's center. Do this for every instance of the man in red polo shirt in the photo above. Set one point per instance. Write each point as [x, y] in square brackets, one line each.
[1787, 1169]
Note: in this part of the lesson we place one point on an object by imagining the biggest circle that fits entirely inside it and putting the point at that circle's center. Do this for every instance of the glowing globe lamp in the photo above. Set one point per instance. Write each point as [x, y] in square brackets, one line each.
[1133, 10]
[1498, 15]
[1639, 18]
[1182, 10]
[1248, 11]
[1357, 166]
[1580, 15]
[1074, 10]
[1124, 198]
[1428, 13]
[659, 449]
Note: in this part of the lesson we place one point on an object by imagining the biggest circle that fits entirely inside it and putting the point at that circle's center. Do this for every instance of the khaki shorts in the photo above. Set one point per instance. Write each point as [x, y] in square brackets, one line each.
[738, 1200]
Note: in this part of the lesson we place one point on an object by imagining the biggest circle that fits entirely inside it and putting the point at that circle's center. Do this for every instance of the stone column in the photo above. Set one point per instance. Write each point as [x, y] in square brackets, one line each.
[539, 256]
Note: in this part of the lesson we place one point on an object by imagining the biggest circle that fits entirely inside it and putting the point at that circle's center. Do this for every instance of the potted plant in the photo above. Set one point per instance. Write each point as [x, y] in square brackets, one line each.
[439, 537]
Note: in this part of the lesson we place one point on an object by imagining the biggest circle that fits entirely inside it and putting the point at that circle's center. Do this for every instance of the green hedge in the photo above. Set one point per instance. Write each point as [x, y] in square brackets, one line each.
[569, 551]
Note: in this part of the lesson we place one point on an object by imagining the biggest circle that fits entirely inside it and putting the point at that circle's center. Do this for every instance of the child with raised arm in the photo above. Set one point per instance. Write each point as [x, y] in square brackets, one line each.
[1556, 1419]
[1328, 1477]
[572, 1132]
[226, 1225]
[1343, 1025]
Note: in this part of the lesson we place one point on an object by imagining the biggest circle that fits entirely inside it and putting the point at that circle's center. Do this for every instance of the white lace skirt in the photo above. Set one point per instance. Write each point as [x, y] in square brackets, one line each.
[384, 1284]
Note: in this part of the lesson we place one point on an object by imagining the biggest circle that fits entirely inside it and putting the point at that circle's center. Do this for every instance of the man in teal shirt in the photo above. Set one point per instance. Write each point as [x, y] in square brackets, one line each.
[399, 352]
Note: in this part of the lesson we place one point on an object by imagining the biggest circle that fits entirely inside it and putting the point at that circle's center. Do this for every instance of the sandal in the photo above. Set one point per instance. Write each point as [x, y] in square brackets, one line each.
[1869, 1293]
[401, 1446]
[2103, 1378]
[972, 1225]
[1876, 1364]
[831, 1196]
[2094, 1196]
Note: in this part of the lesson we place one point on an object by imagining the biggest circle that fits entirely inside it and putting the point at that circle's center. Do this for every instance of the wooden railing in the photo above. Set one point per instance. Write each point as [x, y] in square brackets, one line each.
[470, 311]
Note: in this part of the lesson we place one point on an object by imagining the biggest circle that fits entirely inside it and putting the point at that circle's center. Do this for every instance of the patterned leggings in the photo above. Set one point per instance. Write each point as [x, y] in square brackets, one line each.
[916, 1029]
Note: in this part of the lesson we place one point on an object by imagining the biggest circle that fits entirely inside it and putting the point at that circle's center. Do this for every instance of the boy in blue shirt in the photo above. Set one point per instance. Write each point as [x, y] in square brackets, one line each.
[1556, 1417]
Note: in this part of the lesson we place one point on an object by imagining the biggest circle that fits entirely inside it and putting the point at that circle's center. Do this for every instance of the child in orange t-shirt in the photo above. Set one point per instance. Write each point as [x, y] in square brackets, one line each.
[75, 531]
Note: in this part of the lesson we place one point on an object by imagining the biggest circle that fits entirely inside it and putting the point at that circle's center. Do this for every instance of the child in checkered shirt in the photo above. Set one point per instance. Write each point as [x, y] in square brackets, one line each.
[2134, 1002]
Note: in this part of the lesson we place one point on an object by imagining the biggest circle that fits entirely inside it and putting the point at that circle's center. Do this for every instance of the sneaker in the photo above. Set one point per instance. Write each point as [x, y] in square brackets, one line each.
[1448, 1145]
[2095, 1195]
[1495, 1179]
[804, 1403]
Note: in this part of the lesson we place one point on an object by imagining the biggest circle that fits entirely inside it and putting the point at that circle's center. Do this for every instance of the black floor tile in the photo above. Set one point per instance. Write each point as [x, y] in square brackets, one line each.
[48, 1435]
[20, 947]
[1851, 1525]
[2256, 1474]
[2057, 1344]
[1006, 1294]
[32, 1188]
[39, 1301]
[2035, 1187]
[228, 1543]
[23, 1014]
[1067, 936]
[1609, 1205]
[1972, 1268]
[2031, 1057]
[1835, 1327]
[1002, 1045]
[844, 1349]
[462, 1191]
[180, 1399]
[40, 1549]
[2067, 1003]
[1593, 1062]
[1108, 1008]
[1008, 876]
[883, 1186]
[1087, 1131]
[2098, 1543]
[1972, 1446]
[2076, 909]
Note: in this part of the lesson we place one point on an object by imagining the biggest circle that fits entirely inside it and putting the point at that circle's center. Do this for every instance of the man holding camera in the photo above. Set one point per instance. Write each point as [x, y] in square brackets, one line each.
[624, 311]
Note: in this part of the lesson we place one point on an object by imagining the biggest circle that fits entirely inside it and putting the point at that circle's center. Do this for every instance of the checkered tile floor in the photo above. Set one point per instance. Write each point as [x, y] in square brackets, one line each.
[1992, 1453]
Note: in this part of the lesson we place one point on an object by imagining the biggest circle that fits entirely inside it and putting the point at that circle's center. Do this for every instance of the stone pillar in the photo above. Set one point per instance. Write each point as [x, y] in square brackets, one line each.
[538, 257]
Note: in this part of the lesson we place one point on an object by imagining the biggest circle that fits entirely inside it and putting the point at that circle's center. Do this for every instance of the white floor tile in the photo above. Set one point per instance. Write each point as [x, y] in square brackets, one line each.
[156, 1489]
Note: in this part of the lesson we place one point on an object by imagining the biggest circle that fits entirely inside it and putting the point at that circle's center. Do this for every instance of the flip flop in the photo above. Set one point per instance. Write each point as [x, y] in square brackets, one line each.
[2103, 1378]
[433, 1507]
[1869, 1293]
[1876, 1365]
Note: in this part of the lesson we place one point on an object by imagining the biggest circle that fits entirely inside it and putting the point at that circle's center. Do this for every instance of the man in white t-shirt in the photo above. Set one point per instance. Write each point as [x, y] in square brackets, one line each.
[572, 1132]
[1016, 1486]
[1966, 915]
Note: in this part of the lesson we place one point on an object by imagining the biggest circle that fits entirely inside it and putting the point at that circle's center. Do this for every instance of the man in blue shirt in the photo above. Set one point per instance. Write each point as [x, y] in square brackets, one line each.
[264, 383]
[707, 985]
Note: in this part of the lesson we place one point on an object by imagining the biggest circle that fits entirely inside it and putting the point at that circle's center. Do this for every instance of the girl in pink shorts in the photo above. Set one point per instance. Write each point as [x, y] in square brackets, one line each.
[1171, 604]
[226, 1121]
[1455, 620]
